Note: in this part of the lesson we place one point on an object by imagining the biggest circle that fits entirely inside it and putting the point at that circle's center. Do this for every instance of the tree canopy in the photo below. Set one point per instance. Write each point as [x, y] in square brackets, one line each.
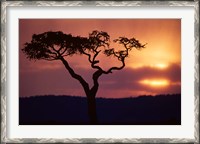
[56, 45]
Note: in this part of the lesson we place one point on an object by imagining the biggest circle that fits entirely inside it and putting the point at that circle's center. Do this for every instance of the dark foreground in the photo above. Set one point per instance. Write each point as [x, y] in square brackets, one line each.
[68, 110]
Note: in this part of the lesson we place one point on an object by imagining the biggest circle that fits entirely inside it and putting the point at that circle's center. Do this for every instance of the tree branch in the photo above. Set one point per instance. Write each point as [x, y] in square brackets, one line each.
[74, 75]
[95, 78]
[89, 56]
[115, 68]
[63, 51]
[93, 61]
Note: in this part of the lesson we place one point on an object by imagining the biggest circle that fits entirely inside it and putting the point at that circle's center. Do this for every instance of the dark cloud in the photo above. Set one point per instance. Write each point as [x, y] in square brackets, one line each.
[128, 79]
[124, 82]
[130, 76]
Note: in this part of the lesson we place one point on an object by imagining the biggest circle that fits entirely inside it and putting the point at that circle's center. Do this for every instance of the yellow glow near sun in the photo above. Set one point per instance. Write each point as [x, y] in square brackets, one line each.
[160, 66]
[155, 83]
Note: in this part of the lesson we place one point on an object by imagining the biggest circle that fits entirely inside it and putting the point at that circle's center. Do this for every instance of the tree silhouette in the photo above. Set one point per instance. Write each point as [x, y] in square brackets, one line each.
[52, 46]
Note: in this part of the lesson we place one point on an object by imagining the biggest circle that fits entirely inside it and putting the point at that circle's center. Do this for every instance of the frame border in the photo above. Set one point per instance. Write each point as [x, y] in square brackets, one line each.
[5, 4]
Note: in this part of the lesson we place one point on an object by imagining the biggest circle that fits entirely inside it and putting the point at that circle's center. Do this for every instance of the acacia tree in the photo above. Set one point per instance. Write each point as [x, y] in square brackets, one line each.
[53, 46]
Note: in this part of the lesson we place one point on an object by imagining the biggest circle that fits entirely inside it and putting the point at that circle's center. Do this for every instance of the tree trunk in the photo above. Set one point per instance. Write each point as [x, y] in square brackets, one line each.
[92, 109]
[90, 93]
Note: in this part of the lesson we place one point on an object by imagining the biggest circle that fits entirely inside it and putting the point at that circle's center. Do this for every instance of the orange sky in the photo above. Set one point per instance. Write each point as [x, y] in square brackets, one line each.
[153, 70]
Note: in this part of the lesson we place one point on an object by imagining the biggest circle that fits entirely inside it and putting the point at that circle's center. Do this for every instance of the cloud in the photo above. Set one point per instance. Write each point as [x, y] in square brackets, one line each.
[118, 84]
[127, 75]
[129, 79]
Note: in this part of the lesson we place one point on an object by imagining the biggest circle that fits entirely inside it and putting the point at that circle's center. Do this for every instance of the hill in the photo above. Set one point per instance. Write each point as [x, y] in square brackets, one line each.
[71, 110]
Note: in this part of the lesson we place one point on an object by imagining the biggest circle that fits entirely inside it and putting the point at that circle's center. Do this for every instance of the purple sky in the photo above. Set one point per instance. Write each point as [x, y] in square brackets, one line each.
[153, 70]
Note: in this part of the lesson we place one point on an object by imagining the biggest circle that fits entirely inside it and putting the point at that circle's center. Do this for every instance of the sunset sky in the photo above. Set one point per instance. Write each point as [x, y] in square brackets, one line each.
[150, 71]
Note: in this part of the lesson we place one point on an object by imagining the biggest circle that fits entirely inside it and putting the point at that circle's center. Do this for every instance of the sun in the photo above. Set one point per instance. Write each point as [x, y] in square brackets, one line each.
[155, 82]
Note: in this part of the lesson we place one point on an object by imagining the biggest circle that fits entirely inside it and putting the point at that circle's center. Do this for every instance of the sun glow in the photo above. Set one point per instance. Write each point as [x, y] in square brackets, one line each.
[155, 83]
[160, 66]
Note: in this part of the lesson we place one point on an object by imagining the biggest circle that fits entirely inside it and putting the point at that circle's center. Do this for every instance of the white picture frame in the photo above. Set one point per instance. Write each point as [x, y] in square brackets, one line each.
[11, 11]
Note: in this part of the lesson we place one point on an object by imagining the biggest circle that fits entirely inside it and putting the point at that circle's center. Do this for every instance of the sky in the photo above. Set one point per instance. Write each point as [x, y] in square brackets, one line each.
[153, 70]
